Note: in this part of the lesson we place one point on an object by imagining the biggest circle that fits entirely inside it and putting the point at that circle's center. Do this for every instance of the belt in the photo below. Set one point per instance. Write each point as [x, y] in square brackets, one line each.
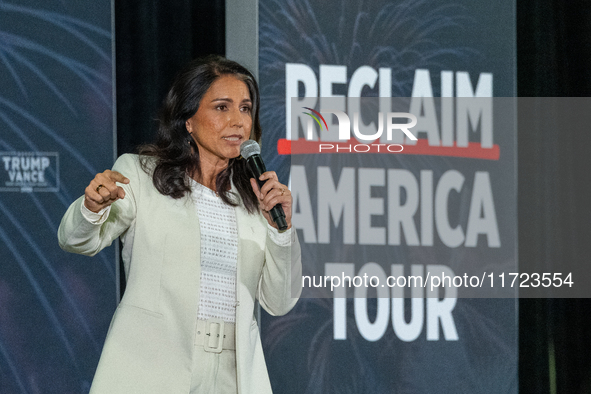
[215, 335]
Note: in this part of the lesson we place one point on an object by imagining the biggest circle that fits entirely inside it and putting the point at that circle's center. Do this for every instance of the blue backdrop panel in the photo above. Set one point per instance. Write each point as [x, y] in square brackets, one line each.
[446, 44]
[56, 133]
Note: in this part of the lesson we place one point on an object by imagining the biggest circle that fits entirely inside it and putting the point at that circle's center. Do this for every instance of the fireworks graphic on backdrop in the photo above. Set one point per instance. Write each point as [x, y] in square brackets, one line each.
[403, 36]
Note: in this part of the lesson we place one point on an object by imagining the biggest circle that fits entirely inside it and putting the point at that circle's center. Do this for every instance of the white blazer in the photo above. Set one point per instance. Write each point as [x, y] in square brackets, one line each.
[149, 346]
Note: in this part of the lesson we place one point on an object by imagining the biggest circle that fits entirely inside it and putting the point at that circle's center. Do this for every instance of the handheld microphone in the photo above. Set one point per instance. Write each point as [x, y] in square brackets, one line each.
[251, 151]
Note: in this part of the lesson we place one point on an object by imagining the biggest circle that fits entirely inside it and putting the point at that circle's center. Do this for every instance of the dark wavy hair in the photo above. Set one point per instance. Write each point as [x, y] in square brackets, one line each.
[175, 151]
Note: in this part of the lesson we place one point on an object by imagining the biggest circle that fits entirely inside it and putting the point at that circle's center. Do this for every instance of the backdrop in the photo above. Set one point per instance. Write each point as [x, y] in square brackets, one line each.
[346, 204]
[56, 133]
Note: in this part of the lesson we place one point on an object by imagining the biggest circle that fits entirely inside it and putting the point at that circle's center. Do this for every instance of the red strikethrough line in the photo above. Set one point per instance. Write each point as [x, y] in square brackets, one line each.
[473, 151]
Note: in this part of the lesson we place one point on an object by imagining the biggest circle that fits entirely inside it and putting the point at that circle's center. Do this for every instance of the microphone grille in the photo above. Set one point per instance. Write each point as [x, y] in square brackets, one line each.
[249, 148]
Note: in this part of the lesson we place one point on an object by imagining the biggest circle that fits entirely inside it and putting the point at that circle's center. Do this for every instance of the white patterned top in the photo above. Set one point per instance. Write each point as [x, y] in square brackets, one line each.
[219, 255]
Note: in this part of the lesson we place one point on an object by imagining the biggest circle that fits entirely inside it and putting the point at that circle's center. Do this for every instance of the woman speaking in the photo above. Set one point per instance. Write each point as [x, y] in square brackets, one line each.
[199, 246]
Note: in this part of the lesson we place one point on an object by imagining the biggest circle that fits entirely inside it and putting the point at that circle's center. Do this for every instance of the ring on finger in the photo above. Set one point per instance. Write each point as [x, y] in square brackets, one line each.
[282, 191]
[99, 188]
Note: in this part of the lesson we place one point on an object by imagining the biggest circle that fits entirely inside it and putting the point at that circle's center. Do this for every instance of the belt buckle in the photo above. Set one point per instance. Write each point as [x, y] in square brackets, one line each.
[212, 336]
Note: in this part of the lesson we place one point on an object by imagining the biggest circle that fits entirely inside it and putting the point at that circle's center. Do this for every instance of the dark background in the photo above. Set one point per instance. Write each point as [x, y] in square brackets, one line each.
[154, 38]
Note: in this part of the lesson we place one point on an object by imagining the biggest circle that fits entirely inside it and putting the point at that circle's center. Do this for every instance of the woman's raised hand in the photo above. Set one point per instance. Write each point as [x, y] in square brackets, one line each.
[103, 191]
[271, 194]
